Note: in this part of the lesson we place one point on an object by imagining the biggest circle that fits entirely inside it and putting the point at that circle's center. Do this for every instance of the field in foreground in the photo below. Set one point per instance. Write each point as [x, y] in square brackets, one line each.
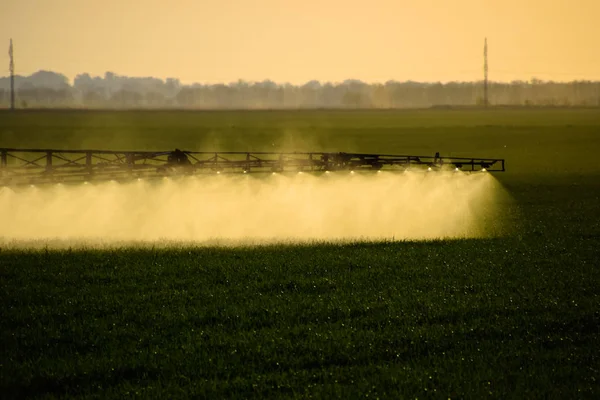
[513, 316]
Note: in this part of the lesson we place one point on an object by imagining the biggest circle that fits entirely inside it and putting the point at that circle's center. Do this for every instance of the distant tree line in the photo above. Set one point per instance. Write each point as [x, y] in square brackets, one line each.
[53, 90]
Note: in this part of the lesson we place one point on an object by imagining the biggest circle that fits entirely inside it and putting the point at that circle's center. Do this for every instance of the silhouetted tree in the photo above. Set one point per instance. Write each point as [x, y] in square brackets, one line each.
[49, 89]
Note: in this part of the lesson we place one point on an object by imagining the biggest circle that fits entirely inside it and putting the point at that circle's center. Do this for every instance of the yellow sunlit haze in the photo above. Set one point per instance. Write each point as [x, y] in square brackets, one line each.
[295, 41]
[247, 209]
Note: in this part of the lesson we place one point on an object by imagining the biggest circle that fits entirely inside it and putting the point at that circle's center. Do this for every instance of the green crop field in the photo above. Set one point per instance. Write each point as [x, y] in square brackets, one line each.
[512, 316]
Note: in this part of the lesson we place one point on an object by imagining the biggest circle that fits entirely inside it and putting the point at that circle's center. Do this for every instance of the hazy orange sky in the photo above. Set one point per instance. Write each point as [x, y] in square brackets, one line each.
[211, 41]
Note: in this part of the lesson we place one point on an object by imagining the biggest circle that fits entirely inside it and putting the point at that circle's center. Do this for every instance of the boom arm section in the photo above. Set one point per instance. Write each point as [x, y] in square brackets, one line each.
[32, 166]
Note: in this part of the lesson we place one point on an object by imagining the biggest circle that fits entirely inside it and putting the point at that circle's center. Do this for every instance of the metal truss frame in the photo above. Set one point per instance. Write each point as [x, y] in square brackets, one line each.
[32, 166]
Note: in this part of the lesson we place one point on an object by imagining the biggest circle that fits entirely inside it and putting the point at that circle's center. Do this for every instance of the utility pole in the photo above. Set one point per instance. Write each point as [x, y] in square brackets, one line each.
[12, 75]
[485, 73]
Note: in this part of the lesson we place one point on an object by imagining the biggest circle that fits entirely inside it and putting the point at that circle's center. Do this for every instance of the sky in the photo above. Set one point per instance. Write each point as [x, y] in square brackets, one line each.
[212, 41]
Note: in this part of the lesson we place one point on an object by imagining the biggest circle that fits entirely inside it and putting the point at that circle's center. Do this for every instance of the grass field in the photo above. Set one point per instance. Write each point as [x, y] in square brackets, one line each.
[517, 316]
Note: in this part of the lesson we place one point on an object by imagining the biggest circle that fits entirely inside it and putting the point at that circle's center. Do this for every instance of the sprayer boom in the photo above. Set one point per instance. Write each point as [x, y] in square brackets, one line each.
[35, 166]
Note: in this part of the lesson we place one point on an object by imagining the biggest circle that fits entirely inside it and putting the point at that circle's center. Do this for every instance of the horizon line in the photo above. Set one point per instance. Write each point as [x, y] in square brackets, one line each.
[71, 81]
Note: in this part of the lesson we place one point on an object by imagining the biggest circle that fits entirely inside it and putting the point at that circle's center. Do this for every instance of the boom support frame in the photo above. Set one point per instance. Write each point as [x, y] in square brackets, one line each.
[33, 166]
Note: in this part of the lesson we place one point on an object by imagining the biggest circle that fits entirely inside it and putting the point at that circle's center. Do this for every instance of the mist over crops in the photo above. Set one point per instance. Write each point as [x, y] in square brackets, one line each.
[278, 207]
[110, 289]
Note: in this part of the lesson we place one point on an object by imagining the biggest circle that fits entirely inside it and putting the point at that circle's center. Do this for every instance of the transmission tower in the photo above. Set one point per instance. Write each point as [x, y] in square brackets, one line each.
[485, 73]
[12, 76]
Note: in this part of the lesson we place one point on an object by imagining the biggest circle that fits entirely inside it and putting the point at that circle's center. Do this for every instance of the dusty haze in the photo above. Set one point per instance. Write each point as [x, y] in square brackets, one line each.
[245, 208]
